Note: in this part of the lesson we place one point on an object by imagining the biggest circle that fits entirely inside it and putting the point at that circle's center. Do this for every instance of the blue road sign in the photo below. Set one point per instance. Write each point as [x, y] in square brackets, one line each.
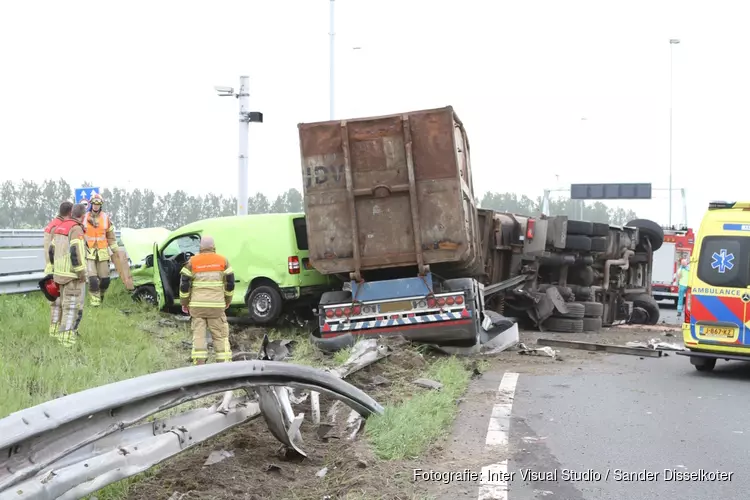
[85, 193]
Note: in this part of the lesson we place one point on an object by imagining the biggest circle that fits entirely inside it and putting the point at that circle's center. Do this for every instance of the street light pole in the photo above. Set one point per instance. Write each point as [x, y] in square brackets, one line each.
[332, 56]
[672, 43]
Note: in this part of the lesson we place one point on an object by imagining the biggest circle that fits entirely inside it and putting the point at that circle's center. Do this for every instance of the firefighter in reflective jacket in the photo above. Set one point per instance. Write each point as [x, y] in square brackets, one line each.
[54, 306]
[100, 239]
[206, 289]
[67, 254]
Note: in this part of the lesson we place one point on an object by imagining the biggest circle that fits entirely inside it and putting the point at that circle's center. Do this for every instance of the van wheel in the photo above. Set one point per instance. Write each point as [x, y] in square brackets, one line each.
[264, 304]
[703, 364]
[147, 294]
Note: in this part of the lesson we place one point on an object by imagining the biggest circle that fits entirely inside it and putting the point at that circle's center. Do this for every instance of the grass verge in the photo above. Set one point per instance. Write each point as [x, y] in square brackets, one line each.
[408, 428]
[113, 346]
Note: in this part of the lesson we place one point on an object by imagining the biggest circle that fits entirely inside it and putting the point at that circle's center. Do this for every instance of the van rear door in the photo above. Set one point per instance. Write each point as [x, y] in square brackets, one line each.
[720, 295]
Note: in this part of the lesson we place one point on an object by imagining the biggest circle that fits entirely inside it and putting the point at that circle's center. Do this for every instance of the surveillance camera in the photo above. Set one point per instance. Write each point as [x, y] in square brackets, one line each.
[224, 90]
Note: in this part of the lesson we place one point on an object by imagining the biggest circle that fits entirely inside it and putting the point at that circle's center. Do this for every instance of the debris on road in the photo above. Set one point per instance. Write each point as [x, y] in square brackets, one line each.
[537, 351]
[217, 456]
[428, 384]
[590, 346]
[656, 344]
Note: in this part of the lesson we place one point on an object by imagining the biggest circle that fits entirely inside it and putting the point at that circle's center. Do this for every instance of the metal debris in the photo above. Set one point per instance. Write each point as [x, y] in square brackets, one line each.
[537, 351]
[656, 344]
[590, 346]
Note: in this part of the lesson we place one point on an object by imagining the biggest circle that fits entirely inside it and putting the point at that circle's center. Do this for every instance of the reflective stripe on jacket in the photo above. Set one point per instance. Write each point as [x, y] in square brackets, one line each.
[66, 251]
[206, 285]
[100, 235]
[48, 230]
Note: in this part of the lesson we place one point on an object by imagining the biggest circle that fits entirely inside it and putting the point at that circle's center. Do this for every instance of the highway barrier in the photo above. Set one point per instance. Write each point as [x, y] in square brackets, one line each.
[24, 238]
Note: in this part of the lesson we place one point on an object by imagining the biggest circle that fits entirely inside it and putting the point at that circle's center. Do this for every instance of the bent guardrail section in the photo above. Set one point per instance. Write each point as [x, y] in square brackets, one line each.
[70, 447]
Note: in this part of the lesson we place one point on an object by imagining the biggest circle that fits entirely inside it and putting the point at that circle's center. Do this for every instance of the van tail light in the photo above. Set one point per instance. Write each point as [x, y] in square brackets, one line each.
[293, 263]
[688, 302]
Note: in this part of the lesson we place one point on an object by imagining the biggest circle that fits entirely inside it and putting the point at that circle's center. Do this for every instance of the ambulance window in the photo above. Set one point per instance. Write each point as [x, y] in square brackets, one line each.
[723, 261]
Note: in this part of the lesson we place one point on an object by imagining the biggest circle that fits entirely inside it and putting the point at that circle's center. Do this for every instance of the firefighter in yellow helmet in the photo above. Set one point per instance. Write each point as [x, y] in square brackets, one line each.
[66, 252]
[100, 239]
[206, 289]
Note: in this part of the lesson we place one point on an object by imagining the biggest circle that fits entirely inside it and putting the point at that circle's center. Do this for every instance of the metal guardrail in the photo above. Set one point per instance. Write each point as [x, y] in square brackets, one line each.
[25, 238]
[72, 446]
[25, 283]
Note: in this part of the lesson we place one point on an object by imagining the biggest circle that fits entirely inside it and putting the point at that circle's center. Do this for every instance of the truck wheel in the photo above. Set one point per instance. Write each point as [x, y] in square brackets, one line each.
[581, 227]
[593, 325]
[264, 304]
[599, 244]
[703, 364]
[563, 325]
[648, 304]
[147, 294]
[582, 275]
[575, 311]
[592, 309]
[650, 230]
[578, 242]
[599, 229]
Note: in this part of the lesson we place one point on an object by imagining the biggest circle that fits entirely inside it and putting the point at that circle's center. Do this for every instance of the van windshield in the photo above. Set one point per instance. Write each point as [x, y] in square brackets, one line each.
[724, 261]
[300, 232]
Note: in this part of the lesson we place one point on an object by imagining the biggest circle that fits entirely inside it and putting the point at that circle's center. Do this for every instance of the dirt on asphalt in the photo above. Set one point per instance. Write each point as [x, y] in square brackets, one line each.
[259, 470]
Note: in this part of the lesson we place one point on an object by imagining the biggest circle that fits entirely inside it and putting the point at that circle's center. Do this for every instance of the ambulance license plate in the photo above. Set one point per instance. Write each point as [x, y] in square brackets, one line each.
[717, 331]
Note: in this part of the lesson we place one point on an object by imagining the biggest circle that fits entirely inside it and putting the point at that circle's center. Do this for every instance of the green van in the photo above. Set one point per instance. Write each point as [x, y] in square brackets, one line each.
[268, 253]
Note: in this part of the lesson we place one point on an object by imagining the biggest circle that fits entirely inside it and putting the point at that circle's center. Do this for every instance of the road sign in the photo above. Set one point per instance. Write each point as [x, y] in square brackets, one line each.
[85, 193]
[617, 191]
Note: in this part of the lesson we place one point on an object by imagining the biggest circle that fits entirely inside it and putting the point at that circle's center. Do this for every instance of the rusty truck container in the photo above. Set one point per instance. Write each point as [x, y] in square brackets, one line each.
[390, 191]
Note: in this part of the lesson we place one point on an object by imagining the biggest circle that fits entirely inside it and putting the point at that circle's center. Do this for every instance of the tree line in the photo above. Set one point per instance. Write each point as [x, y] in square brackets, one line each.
[30, 205]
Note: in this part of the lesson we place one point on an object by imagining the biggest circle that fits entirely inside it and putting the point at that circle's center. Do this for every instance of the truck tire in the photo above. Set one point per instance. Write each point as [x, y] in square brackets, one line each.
[264, 304]
[578, 242]
[648, 304]
[563, 325]
[576, 310]
[582, 275]
[592, 309]
[581, 293]
[593, 325]
[599, 244]
[649, 229]
[599, 229]
[581, 227]
[335, 297]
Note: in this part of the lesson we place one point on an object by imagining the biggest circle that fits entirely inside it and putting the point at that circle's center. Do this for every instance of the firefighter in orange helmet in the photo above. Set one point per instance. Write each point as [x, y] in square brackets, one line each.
[206, 290]
[100, 239]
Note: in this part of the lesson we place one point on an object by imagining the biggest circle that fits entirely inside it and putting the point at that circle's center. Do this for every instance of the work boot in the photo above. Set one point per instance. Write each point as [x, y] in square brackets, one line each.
[68, 339]
[53, 330]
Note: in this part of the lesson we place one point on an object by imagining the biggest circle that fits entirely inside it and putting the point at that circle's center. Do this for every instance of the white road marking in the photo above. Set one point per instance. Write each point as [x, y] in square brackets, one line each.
[494, 485]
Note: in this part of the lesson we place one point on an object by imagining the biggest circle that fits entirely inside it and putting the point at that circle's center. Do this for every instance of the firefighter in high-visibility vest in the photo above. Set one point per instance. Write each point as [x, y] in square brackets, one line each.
[100, 239]
[54, 308]
[67, 252]
[206, 290]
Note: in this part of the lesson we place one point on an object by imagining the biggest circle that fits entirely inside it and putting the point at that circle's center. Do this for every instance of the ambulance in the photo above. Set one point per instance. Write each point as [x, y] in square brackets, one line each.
[717, 310]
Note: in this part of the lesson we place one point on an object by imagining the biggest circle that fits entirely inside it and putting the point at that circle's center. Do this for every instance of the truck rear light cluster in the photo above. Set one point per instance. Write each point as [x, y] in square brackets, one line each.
[293, 263]
[418, 305]
[530, 226]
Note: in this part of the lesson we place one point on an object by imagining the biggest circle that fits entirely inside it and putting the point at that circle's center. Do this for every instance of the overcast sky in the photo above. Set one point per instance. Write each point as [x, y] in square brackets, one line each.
[551, 92]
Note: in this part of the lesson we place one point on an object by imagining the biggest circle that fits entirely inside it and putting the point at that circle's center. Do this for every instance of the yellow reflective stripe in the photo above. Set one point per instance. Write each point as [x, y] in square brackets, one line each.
[207, 304]
[228, 270]
[114, 247]
[228, 294]
[224, 356]
[187, 272]
[207, 284]
[184, 295]
[48, 268]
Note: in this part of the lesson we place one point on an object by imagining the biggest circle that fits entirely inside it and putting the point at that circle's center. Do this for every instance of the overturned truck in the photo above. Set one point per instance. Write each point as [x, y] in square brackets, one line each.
[391, 211]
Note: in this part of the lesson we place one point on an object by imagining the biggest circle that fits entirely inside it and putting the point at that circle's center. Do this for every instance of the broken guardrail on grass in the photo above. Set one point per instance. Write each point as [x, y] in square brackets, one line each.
[70, 447]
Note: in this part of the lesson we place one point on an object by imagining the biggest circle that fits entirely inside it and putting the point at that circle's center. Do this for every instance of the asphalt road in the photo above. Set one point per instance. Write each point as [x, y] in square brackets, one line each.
[632, 415]
[21, 260]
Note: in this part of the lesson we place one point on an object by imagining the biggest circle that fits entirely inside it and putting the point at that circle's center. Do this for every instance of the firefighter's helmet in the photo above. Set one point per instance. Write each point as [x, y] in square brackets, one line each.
[49, 288]
[96, 199]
